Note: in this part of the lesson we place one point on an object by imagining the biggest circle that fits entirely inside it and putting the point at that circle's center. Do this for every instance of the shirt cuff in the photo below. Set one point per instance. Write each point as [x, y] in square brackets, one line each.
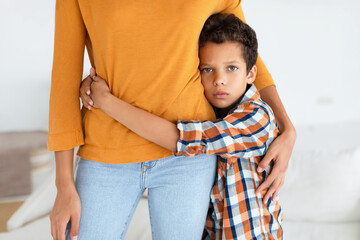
[180, 147]
[190, 140]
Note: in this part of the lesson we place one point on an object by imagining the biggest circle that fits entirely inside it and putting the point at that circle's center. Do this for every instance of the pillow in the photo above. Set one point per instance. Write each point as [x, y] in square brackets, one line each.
[322, 186]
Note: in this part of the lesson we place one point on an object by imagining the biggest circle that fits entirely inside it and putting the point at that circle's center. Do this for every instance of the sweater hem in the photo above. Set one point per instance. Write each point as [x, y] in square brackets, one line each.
[131, 154]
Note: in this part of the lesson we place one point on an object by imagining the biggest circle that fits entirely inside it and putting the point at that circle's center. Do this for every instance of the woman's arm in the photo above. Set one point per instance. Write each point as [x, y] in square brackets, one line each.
[270, 96]
[280, 150]
[65, 130]
[67, 206]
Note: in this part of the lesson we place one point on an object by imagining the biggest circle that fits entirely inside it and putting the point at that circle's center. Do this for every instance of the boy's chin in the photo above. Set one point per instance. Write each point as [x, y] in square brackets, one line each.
[221, 106]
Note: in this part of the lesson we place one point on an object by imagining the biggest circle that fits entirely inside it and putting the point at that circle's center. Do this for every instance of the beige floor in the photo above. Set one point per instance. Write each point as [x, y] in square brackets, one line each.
[18, 177]
[6, 210]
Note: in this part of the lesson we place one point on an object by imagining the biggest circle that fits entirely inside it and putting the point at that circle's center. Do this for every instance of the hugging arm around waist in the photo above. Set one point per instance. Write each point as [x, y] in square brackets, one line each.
[246, 132]
[143, 123]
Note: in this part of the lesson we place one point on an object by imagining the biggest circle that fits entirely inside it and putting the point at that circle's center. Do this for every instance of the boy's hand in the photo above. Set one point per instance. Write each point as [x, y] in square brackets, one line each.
[99, 91]
[279, 152]
[85, 90]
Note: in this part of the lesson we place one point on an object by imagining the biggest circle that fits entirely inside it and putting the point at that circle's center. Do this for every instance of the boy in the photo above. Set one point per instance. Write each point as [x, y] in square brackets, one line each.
[240, 137]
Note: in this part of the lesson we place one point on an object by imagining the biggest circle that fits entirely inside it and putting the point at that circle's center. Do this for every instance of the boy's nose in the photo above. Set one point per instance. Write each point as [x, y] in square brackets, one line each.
[219, 80]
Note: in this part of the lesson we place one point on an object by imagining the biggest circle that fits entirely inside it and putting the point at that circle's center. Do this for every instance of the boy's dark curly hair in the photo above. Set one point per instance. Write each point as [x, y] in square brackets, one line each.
[220, 28]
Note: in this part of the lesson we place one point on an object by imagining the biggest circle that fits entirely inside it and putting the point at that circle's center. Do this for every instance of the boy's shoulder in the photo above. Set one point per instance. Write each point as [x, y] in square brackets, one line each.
[251, 102]
[250, 96]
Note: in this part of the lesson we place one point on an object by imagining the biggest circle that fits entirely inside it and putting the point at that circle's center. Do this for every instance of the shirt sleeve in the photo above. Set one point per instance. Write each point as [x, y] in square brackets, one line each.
[263, 76]
[243, 134]
[65, 127]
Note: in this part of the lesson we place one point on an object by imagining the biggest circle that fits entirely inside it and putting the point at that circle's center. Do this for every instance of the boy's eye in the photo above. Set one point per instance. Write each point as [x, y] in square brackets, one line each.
[206, 70]
[232, 68]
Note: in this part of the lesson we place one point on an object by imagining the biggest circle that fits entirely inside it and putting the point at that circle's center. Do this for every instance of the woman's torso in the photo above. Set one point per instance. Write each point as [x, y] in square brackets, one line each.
[148, 53]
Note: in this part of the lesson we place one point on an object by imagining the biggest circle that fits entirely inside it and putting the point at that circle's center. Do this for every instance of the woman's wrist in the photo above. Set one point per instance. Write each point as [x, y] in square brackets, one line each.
[65, 180]
[289, 132]
[67, 185]
[64, 169]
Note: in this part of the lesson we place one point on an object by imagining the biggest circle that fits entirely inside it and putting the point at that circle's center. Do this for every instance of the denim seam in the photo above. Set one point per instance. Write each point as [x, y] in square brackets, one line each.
[155, 162]
[149, 204]
[131, 213]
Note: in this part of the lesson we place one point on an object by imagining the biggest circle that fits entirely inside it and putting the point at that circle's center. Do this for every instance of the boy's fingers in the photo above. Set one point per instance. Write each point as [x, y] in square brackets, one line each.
[86, 100]
[96, 78]
[92, 72]
[87, 85]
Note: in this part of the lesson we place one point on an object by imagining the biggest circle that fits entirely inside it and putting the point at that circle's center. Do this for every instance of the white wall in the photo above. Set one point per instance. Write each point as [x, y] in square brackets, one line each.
[312, 50]
[310, 47]
[26, 50]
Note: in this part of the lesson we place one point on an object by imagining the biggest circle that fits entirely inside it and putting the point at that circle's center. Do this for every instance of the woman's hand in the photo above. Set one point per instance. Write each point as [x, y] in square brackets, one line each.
[279, 152]
[67, 207]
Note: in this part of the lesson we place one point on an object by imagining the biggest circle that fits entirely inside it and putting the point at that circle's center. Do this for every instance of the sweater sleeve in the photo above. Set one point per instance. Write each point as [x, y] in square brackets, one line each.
[65, 127]
[263, 77]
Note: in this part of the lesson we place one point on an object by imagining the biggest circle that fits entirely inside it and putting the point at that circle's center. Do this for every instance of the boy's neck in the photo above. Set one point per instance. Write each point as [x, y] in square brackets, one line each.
[223, 112]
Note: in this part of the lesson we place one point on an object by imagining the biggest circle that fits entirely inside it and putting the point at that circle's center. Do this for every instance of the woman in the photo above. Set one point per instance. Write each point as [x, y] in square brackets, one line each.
[148, 53]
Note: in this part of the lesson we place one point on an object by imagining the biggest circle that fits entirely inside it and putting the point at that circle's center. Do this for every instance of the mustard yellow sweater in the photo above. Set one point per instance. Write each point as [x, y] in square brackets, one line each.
[148, 53]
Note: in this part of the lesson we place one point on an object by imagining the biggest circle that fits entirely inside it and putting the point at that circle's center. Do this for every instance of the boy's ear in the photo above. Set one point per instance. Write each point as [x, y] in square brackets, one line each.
[252, 75]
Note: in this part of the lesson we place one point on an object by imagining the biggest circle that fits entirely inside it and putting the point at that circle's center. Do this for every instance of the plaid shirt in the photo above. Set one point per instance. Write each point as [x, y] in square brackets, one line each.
[240, 140]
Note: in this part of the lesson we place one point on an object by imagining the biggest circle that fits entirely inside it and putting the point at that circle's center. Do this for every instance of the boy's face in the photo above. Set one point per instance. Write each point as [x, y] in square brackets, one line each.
[223, 73]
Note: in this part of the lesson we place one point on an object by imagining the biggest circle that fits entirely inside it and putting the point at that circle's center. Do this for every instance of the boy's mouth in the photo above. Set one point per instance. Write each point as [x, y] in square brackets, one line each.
[220, 94]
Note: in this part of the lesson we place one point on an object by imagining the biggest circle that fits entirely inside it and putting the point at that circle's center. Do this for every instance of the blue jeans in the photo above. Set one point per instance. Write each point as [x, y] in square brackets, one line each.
[178, 196]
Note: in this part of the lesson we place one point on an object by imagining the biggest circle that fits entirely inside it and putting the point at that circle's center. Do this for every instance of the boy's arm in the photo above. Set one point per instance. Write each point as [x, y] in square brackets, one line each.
[145, 124]
[236, 135]
[245, 133]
